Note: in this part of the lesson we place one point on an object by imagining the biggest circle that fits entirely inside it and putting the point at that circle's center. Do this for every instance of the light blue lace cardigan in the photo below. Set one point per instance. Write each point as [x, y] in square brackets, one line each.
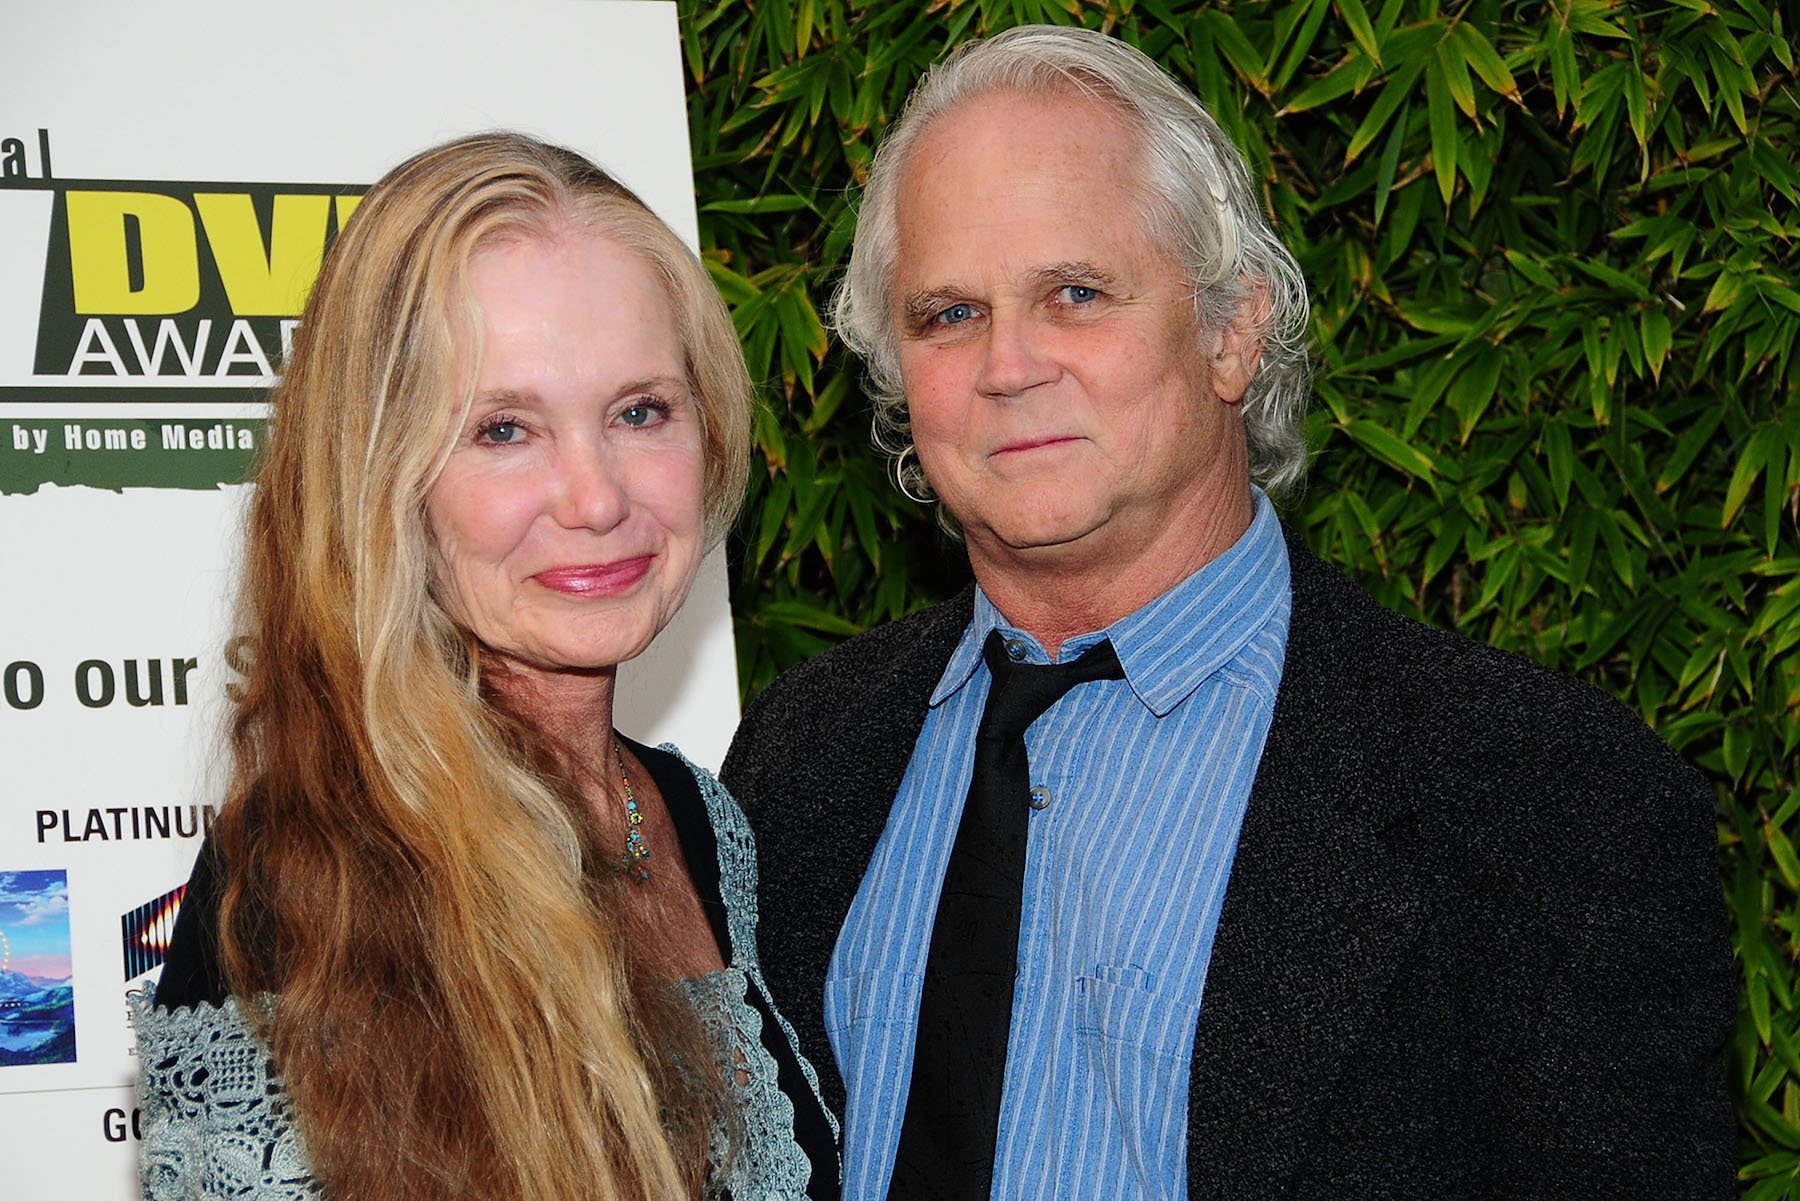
[217, 1122]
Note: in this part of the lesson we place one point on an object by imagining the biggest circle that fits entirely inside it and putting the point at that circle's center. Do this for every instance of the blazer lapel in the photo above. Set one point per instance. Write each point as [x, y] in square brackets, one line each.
[1319, 910]
[886, 729]
[821, 790]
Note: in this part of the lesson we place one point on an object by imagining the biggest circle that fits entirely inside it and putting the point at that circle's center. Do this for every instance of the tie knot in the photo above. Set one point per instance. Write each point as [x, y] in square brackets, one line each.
[1023, 691]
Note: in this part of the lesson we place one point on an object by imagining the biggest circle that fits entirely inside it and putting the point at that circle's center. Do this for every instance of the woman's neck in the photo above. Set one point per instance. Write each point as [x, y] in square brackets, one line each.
[572, 709]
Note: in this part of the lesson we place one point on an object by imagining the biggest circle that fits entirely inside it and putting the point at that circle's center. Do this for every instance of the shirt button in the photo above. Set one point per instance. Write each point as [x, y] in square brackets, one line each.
[1015, 649]
[1040, 797]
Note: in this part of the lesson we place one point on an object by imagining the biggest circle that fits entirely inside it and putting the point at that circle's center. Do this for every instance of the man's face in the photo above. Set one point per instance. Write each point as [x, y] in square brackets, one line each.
[1065, 404]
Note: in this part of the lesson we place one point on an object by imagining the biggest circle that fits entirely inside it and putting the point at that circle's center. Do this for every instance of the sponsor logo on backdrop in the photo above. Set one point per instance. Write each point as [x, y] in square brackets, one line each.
[125, 823]
[144, 933]
[182, 294]
[37, 994]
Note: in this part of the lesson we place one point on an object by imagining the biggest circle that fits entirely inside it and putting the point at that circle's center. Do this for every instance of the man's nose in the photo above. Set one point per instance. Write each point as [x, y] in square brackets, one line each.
[1016, 359]
[589, 494]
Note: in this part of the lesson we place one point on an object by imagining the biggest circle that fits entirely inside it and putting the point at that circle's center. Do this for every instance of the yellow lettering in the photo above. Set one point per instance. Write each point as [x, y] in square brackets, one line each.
[345, 206]
[273, 284]
[100, 254]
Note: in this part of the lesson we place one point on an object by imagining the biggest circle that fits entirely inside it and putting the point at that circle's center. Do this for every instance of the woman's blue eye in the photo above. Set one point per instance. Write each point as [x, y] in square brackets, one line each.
[956, 314]
[501, 432]
[1080, 293]
[639, 415]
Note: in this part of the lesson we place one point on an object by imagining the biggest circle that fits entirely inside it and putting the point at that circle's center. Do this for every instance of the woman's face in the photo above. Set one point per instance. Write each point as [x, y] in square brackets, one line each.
[568, 515]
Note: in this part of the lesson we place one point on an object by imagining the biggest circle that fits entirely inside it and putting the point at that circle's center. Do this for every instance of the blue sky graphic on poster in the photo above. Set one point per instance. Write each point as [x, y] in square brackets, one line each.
[37, 997]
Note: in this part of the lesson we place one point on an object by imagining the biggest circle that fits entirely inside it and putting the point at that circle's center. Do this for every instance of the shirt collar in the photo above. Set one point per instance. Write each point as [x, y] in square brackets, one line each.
[1170, 646]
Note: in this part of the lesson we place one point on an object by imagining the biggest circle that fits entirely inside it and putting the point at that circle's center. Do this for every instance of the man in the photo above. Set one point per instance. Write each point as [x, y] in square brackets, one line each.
[1302, 898]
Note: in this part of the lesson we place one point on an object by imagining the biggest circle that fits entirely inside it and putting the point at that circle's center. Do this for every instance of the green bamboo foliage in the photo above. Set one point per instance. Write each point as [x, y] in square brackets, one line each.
[1552, 253]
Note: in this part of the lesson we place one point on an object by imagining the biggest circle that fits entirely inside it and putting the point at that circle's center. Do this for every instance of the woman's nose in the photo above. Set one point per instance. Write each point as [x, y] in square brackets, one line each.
[588, 492]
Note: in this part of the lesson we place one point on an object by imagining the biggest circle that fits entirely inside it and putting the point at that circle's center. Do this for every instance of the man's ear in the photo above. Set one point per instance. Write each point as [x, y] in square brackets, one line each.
[1238, 351]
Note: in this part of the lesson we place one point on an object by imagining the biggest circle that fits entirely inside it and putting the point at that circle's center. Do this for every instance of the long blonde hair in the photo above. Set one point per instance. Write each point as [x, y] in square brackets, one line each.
[411, 877]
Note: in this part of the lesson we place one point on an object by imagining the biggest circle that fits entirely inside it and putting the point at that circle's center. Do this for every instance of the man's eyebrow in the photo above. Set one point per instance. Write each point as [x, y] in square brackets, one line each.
[1074, 272]
[919, 307]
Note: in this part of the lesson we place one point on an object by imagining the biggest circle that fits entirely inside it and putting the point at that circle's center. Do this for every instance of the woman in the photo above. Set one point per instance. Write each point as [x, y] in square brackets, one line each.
[429, 949]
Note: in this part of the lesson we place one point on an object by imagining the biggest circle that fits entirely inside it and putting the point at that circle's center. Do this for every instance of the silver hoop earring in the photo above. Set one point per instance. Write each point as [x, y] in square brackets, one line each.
[902, 474]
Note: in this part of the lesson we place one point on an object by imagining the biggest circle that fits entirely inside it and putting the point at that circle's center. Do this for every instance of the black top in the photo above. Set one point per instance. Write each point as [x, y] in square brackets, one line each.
[192, 972]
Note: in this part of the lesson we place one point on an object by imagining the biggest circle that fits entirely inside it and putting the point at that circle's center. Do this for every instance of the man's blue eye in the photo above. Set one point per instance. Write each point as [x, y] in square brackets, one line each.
[956, 314]
[1080, 293]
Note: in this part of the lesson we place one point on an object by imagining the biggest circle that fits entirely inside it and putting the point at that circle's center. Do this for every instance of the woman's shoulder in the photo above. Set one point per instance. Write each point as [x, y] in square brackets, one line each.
[732, 841]
[193, 973]
[705, 813]
[676, 772]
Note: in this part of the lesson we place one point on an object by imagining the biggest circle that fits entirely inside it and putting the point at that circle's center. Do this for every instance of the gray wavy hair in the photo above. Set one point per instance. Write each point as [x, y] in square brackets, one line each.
[1199, 200]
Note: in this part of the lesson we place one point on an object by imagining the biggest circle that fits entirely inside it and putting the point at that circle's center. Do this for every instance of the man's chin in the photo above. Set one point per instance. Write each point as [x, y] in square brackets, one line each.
[1037, 536]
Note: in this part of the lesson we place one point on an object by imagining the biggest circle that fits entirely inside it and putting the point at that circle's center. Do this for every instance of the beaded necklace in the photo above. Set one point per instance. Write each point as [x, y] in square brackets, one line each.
[635, 851]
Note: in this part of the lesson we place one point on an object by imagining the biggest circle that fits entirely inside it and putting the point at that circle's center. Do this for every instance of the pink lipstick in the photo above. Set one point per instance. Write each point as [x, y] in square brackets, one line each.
[595, 579]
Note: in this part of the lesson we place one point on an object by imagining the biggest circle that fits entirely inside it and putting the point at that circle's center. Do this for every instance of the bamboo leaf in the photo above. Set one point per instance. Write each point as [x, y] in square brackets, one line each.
[1393, 94]
[1749, 465]
[1356, 18]
[758, 204]
[1455, 70]
[1441, 112]
[1657, 339]
[1390, 449]
[1782, 851]
[1480, 54]
[1347, 77]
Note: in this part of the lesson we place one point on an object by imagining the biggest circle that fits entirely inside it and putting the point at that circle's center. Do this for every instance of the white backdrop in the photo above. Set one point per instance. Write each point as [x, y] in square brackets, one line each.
[117, 531]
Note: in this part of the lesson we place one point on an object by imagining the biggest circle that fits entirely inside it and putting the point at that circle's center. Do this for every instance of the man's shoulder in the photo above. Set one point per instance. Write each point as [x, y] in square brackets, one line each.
[1435, 697]
[1522, 793]
[859, 696]
[909, 647]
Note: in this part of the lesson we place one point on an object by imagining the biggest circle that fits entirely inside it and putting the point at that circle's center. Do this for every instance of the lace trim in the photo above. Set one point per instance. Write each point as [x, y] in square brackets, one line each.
[767, 1162]
[737, 889]
[217, 1122]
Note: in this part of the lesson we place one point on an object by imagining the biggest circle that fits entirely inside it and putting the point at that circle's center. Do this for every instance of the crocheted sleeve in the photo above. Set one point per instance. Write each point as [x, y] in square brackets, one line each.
[768, 1163]
[216, 1119]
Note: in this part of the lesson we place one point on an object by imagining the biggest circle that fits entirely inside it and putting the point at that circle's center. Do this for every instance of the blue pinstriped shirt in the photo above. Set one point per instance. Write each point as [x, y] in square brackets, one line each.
[1126, 866]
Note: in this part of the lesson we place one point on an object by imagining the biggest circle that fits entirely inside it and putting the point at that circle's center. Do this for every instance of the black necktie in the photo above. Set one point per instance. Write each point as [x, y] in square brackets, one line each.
[959, 1064]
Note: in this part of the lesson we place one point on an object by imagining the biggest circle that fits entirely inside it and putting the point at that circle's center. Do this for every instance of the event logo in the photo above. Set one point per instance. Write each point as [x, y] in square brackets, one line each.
[179, 294]
[200, 283]
[37, 993]
[144, 933]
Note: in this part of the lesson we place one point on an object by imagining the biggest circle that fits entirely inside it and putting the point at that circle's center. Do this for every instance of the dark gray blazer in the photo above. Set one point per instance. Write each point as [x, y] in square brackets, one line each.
[1473, 943]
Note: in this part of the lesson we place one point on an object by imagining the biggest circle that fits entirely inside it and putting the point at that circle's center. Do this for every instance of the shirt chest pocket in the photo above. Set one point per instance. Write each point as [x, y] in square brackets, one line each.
[869, 1018]
[1134, 1051]
[871, 998]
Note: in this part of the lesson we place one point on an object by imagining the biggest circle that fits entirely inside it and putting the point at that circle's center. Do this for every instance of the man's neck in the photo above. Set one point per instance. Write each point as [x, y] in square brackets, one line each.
[1057, 593]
